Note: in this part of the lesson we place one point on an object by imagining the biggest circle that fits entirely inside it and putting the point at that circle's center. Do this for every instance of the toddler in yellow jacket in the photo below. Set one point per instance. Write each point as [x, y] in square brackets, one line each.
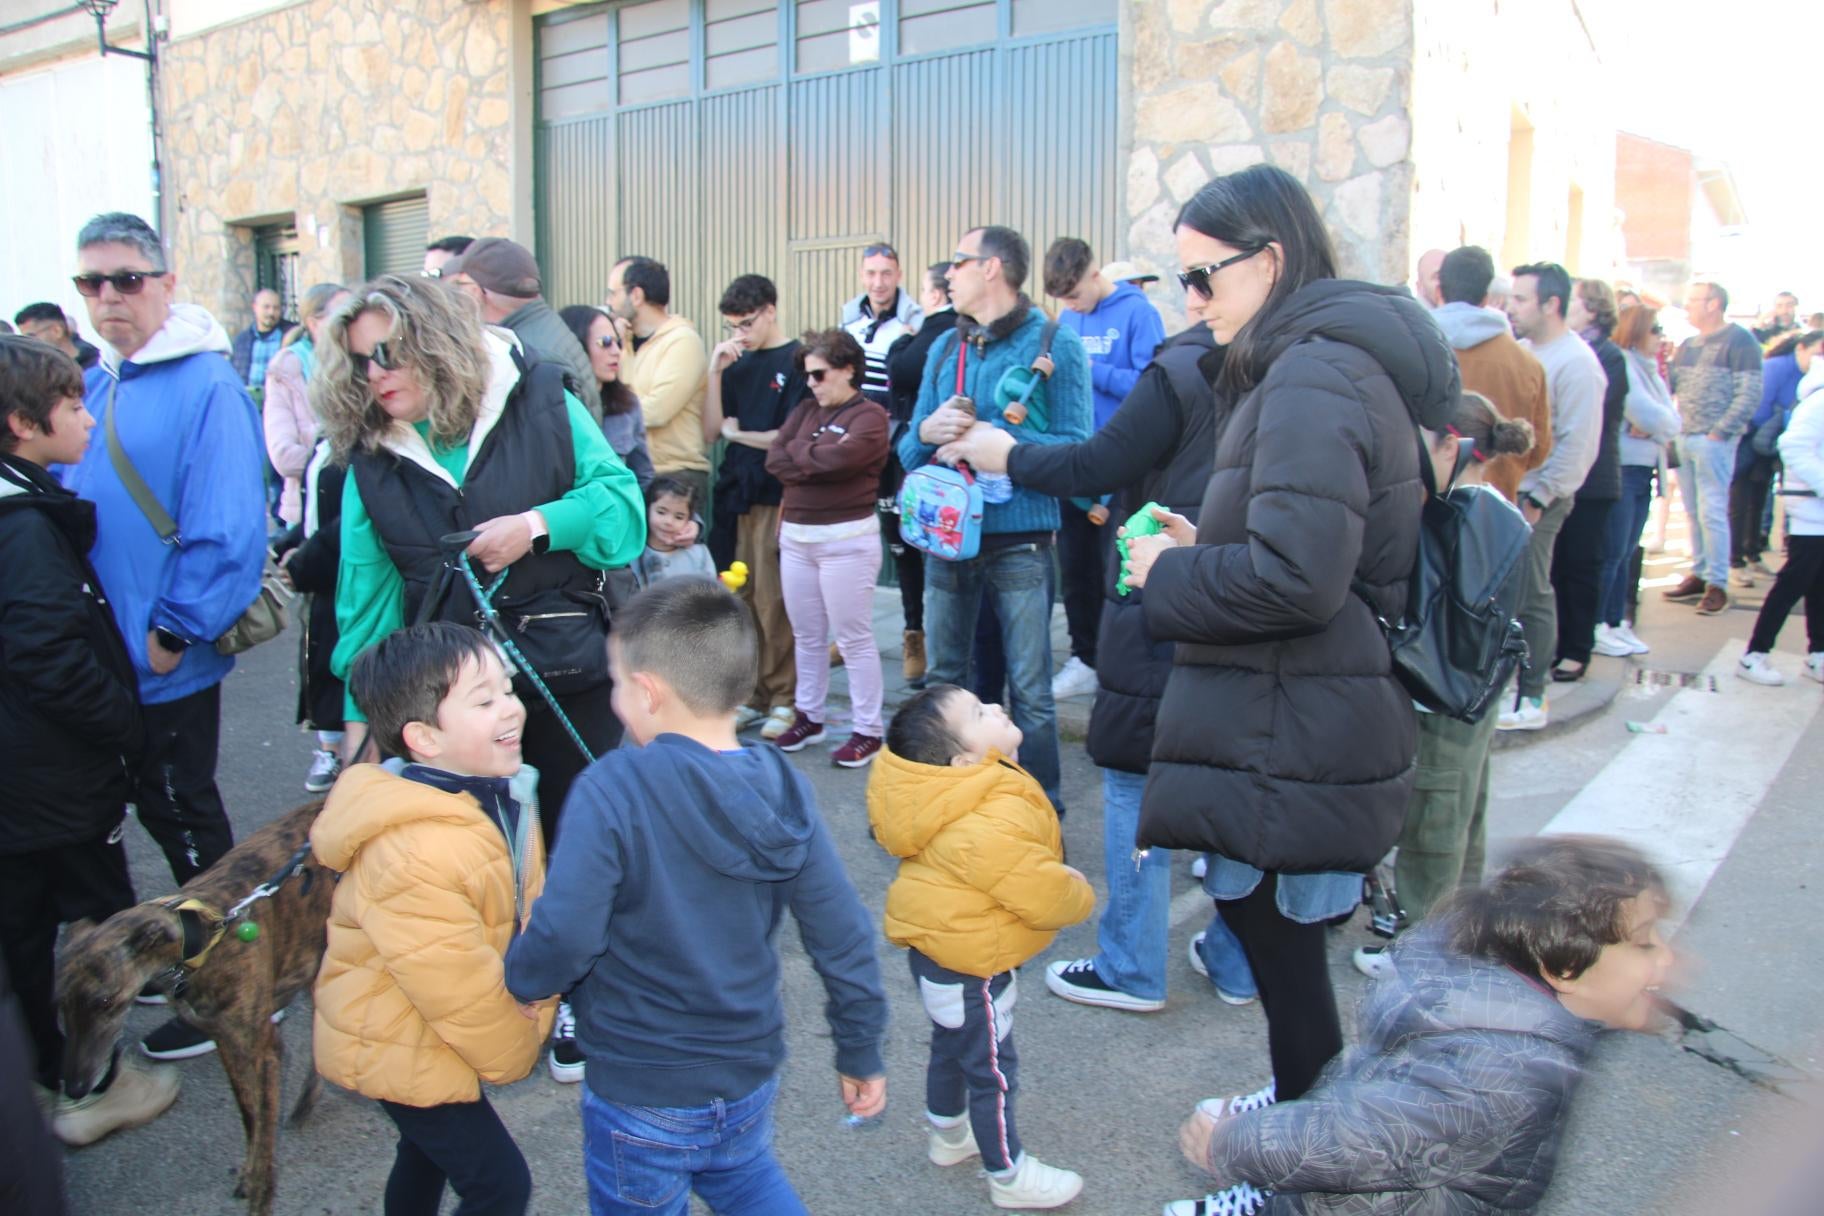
[982, 888]
[440, 864]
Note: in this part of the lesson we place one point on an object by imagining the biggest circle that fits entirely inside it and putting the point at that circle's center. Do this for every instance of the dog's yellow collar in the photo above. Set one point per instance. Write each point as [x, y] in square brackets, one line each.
[201, 926]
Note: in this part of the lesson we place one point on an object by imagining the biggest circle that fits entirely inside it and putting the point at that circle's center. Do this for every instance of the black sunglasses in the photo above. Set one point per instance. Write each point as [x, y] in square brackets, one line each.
[383, 357]
[880, 251]
[608, 342]
[959, 259]
[1197, 278]
[126, 282]
[816, 375]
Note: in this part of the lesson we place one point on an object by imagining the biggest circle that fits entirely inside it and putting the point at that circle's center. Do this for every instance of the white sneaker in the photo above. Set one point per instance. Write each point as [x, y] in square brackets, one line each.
[1222, 1108]
[1074, 679]
[1531, 715]
[324, 768]
[137, 1096]
[1033, 1184]
[1625, 631]
[1741, 576]
[1200, 865]
[1242, 1199]
[1372, 961]
[778, 722]
[1814, 666]
[746, 716]
[951, 1145]
[1195, 953]
[1610, 642]
[1755, 669]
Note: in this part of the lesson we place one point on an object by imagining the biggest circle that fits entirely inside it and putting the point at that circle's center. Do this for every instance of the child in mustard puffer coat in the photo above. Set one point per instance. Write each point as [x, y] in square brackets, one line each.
[982, 888]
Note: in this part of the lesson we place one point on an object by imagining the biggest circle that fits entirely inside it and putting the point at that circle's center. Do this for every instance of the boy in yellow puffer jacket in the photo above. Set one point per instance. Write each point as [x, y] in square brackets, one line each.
[982, 888]
[440, 863]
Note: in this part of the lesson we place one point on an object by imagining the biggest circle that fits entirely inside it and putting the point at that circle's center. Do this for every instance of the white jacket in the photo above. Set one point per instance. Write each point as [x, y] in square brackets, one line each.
[1802, 455]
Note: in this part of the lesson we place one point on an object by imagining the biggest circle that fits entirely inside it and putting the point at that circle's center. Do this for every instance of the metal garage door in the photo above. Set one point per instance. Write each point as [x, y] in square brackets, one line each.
[685, 130]
[395, 234]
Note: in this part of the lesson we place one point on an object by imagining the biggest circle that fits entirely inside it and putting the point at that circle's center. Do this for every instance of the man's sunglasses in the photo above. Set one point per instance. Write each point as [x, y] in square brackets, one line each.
[880, 251]
[1197, 278]
[384, 357]
[126, 282]
[959, 259]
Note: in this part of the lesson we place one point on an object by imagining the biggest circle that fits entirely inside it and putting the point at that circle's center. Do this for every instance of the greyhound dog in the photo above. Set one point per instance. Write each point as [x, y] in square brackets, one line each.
[196, 950]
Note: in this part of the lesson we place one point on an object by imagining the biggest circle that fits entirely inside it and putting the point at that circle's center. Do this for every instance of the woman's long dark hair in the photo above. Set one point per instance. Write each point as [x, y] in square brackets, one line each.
[1790, 342]
[1260, 205]
[617, 398]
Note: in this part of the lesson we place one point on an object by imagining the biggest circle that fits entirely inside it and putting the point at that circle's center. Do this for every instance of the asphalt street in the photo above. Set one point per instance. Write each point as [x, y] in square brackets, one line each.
[1662, 1122]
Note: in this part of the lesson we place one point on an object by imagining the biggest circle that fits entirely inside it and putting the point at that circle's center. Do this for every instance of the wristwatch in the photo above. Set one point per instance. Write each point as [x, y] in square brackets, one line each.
[541, 534]
[170, 641]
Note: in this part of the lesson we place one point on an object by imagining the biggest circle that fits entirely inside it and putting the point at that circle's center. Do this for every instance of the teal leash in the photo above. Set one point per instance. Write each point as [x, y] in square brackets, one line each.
[484, 600]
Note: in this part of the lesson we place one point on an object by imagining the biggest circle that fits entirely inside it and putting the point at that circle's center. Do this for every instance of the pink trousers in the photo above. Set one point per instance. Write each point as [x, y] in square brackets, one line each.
[829, 591]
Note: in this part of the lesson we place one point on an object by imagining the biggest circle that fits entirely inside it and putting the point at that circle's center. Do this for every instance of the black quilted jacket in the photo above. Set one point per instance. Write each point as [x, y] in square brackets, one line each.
[1454, 1104]
[1283, 739]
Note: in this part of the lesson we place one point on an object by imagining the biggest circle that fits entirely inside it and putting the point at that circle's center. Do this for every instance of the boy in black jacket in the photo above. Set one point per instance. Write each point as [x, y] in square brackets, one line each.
[69, 725]
[680, 857]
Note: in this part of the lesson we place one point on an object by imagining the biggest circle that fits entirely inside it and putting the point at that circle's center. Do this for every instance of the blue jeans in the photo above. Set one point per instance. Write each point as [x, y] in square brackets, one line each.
[1225, 960]
[1706, 467]
[1018, 580]
[641, 1160]
[1137, 916]
[1626, 522]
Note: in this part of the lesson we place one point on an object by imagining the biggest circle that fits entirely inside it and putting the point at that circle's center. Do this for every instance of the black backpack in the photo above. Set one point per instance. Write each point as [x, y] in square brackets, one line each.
[1459, 641]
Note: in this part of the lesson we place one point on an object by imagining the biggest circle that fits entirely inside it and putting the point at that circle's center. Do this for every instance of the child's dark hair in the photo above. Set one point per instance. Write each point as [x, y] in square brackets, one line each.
[1553, 906]
[749, 293]
[34, 377]
[691, 633]
[918, 731]
[659, 487]
[406, 675]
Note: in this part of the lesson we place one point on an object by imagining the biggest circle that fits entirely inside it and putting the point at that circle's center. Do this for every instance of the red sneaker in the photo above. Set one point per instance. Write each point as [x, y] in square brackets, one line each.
[858, 752]
[800, 732]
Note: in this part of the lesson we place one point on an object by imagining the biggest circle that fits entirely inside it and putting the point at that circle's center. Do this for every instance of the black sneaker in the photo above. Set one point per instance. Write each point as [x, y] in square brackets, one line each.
[1077, 980]
[150, 996]
[566, 1062]
[176, 1040]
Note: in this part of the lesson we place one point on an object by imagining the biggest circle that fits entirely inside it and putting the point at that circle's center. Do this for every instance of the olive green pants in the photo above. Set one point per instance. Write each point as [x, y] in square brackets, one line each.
[1445, 840]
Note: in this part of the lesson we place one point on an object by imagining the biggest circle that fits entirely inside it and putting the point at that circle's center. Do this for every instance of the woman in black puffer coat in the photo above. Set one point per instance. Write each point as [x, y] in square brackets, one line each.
[1284, 743]
[1158, 447]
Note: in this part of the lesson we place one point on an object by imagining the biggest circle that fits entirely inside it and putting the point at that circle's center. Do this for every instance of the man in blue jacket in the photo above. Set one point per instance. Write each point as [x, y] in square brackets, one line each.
[168, 396]
[1120, 330]
[999, 329]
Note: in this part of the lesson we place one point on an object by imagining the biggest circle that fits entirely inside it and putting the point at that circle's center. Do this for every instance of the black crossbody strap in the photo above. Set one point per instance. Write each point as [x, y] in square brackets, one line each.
[136, 486]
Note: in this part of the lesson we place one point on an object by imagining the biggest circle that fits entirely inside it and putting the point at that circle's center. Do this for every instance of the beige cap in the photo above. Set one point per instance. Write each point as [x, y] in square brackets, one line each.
[1128, 272]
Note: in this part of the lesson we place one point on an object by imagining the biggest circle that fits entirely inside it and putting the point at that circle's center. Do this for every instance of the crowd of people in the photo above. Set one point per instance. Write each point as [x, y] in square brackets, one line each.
[423, 453]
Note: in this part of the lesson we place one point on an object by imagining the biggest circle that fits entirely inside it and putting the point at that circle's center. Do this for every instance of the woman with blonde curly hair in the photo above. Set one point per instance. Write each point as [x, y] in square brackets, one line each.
[449, 426]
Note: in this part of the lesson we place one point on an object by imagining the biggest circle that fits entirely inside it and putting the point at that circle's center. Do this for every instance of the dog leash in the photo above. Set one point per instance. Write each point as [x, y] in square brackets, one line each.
[484, 603]
[202, 927]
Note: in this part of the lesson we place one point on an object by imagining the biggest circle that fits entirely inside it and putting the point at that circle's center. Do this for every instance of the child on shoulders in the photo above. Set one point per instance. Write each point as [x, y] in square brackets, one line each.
[982, 888]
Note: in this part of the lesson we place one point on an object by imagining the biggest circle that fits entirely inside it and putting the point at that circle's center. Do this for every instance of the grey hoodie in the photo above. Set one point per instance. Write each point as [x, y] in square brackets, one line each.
[1470, 325]
[1453, 1103]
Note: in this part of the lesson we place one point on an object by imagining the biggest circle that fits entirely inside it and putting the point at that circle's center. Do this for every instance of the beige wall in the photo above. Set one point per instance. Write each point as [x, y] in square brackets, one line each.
[1501, 86]
[302, 114]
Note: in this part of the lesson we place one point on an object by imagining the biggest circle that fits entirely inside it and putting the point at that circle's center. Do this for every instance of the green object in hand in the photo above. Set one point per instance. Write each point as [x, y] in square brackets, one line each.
[248, 931]
[1141, 523]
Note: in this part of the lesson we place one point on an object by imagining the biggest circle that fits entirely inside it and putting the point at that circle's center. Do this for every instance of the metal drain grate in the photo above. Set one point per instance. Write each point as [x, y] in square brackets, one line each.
[1645, 677]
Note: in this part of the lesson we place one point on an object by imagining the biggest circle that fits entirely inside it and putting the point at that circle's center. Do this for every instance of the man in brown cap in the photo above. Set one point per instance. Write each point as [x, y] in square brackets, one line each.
[502, 278]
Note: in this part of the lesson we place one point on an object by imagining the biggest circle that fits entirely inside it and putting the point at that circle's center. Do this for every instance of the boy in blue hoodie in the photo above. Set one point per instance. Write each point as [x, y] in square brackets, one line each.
[680, 856]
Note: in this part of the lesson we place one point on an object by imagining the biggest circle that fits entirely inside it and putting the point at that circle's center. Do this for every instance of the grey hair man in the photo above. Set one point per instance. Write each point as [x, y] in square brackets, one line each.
[177, 453]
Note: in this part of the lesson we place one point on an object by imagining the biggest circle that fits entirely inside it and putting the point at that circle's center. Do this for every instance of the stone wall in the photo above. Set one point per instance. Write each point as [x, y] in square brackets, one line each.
[1321, 88]
[301, 115]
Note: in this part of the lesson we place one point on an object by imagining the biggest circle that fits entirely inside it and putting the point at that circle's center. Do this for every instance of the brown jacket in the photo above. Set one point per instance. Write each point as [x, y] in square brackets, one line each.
[829, 461]
[1507, 374]
[411, 1001]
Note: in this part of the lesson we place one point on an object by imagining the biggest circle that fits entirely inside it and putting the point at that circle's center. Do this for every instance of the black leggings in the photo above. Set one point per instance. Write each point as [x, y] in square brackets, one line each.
[909, 568]
[1801, 576]
[547, 746]
[461, 1145]
[1293, 975]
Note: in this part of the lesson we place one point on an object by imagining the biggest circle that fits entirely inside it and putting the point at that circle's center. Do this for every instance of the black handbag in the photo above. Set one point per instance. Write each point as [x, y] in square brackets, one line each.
[561, 631]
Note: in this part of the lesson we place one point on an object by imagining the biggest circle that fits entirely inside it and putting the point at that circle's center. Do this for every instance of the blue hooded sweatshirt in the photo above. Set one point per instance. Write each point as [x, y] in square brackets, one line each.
[1120, 335]
[190, 430]
[659, 914]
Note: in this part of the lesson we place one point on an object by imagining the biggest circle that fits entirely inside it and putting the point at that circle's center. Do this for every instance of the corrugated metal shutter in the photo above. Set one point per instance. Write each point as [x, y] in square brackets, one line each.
[394, 234]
